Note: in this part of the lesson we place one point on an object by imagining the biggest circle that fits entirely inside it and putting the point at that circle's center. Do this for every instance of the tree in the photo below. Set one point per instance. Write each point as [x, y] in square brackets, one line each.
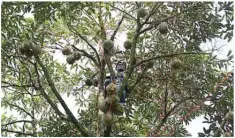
[67, 47]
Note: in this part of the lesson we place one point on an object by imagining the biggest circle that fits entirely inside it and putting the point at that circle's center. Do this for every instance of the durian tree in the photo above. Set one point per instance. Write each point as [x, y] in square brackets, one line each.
[55, 57]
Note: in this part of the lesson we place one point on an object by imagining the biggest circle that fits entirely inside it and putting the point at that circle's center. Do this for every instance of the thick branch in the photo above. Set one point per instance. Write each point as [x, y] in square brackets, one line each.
[84, 131]
[47, 98]
[132, 59]
[107, 131]
[117, 28]
[109, 64]
[53, 105]
[17, 132]
[103, 37]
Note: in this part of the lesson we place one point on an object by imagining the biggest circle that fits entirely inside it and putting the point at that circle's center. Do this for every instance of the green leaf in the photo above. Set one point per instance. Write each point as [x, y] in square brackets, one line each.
[229, 52]
[201, 134]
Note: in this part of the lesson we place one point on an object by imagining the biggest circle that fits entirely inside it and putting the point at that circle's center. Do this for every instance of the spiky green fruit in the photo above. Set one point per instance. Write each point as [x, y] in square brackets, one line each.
[176, 64]
[112, 99]
[27, 45]
[37, 50]
[22, 50]
[109, 118]
[108, 46]
[141, 12]
[111, 88]
[66, 50]
[77, 55]
[118, 109]
[127, 44]
[103, 106]
[25, 48]
[28, 53]
[163, 28]
[70, 59]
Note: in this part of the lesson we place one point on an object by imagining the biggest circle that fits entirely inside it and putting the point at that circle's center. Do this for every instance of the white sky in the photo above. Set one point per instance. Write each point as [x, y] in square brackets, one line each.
[195, 125]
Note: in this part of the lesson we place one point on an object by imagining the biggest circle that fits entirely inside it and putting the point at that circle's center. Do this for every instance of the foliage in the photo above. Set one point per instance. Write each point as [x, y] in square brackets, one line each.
[37, 89]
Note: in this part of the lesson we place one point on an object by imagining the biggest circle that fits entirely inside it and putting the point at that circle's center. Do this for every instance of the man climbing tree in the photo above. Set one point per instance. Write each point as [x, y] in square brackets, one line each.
[74, 69]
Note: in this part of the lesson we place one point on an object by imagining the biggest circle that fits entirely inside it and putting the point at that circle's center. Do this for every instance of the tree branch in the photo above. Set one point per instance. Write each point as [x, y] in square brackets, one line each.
[169, 114]
[47, 98]
[17, 132]
[130, 68]
[122, 11]
[87, 55]
[84, 39]
[157, 22]
[109, 64]
[18, 121]
[164, 56]
[14, 85]
[151, 13]
[117, 28]
[139, 78]
[19, 108]
[84, 131]
[103, 37]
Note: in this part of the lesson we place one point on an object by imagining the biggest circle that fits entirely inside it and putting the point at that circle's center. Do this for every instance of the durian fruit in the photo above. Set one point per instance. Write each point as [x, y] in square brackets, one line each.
[109, 118]
[163, 28]
[28, 53]
[149, 64]
[66, 50]
[229, 116]
[103, 106]
[175, 64]
[111, 88]
[88, 82]
[77, 55]
[108, 46]
[22, 49]
[27, 45]
[36, 49]
[118, 109]
[112, 99]
[25, 49]
[141, 12]
[70, 59]
[127, 44]
[227, 134]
